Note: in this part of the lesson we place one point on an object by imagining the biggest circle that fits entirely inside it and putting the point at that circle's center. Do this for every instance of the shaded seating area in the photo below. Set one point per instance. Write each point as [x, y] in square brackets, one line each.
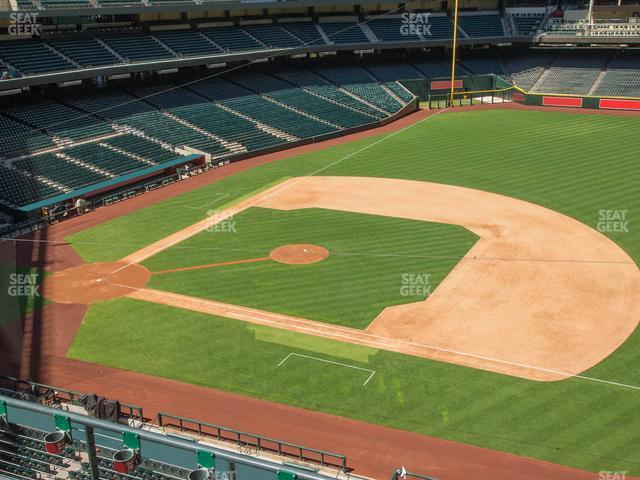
[32, 57]
[482, 25]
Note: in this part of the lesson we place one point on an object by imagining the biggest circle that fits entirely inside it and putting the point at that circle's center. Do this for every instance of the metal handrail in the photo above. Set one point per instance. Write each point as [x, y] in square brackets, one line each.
[61, 395]
[244, 439]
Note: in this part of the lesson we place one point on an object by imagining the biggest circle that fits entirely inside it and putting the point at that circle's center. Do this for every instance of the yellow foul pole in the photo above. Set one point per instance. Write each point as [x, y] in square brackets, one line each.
[455, 44]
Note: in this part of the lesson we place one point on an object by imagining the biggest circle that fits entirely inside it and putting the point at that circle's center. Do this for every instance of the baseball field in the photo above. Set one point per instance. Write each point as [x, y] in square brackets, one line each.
[471, 277]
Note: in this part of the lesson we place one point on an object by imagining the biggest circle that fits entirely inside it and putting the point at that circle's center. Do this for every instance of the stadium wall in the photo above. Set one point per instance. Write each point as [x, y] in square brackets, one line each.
[576, 101]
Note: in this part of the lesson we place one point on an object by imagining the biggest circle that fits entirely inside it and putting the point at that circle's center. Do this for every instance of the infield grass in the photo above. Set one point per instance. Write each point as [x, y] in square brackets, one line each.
[575, 164]
[370, 258]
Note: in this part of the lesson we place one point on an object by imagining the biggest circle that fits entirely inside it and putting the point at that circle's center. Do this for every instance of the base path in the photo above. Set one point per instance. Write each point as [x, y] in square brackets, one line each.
[540, 295]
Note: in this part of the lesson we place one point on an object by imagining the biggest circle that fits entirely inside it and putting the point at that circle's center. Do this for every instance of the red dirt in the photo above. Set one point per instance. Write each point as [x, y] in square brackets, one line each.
[90, 283]
[372, 450]
[299, 254]
[210, 265]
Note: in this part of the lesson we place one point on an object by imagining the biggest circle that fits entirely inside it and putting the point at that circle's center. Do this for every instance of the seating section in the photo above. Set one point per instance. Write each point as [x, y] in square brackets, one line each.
[572, 74]
[344, 32]
[400, 91]
[273, 36]
[188, 43]
[319, 86]
[396, 30]
[232, 39]
[622, 78]
[18, 189]
[483, 66]
[59, 120]
[16, 138]
[482, 25]
[525, 70]
[124, 131]
[110, 161]
[88, 52]
[390, 72]
[151, 151]
[360, 82]
[288, 121]
[65, 3]
[303, 101]
[527, 23]
[305, 31]
[434, 68]
[138, 47]
[32, 57]
[56, 168]
[441, 27]
[119, 3]
[26, 5]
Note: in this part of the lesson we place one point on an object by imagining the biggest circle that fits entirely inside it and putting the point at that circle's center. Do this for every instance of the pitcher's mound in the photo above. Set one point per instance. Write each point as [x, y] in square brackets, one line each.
[94, 282]
[299, 254]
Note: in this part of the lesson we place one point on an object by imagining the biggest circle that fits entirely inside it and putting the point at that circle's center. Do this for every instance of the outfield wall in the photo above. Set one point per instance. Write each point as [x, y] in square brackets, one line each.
[576, 101]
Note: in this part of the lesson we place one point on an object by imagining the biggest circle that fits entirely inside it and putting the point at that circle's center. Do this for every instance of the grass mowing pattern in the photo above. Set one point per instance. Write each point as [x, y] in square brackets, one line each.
[572, 163]
[351, 287]
[575, 422]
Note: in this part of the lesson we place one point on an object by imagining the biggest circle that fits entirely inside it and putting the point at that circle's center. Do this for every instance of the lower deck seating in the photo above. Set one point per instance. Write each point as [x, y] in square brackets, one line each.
[572, 74]
[288, 121]
[389, 72]
[56, 168]
[524, 71]
[59, 120]
[16, 138]
[621, 79]
[101, 135]
[18, 189]
[360, 82]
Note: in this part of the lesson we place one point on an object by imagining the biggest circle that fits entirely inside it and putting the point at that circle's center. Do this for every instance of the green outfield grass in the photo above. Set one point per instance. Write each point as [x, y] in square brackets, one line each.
[351, 287]
[576, 422]
[575, 164]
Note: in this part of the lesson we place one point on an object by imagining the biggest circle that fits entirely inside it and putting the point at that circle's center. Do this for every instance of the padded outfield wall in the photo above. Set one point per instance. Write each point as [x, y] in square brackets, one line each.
[576, 101]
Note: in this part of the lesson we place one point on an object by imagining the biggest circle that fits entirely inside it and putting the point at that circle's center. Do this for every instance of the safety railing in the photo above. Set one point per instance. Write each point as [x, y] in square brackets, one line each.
[56, 396]
[249, 443]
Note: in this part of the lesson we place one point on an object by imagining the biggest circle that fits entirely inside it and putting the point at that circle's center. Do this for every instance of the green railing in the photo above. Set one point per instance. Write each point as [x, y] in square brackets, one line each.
[55, 396]
[249, 443]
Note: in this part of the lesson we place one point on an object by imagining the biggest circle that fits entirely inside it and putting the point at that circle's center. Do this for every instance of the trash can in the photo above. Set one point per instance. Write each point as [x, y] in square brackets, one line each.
[199, 474]
[125, 461]
[54, 442]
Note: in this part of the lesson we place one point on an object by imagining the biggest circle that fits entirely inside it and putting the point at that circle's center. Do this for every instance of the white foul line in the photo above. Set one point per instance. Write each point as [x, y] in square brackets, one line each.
[215, 200]
[373, 372]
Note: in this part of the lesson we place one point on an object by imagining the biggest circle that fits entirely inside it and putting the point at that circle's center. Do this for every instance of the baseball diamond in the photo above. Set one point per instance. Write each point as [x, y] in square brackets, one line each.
[319, 240]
